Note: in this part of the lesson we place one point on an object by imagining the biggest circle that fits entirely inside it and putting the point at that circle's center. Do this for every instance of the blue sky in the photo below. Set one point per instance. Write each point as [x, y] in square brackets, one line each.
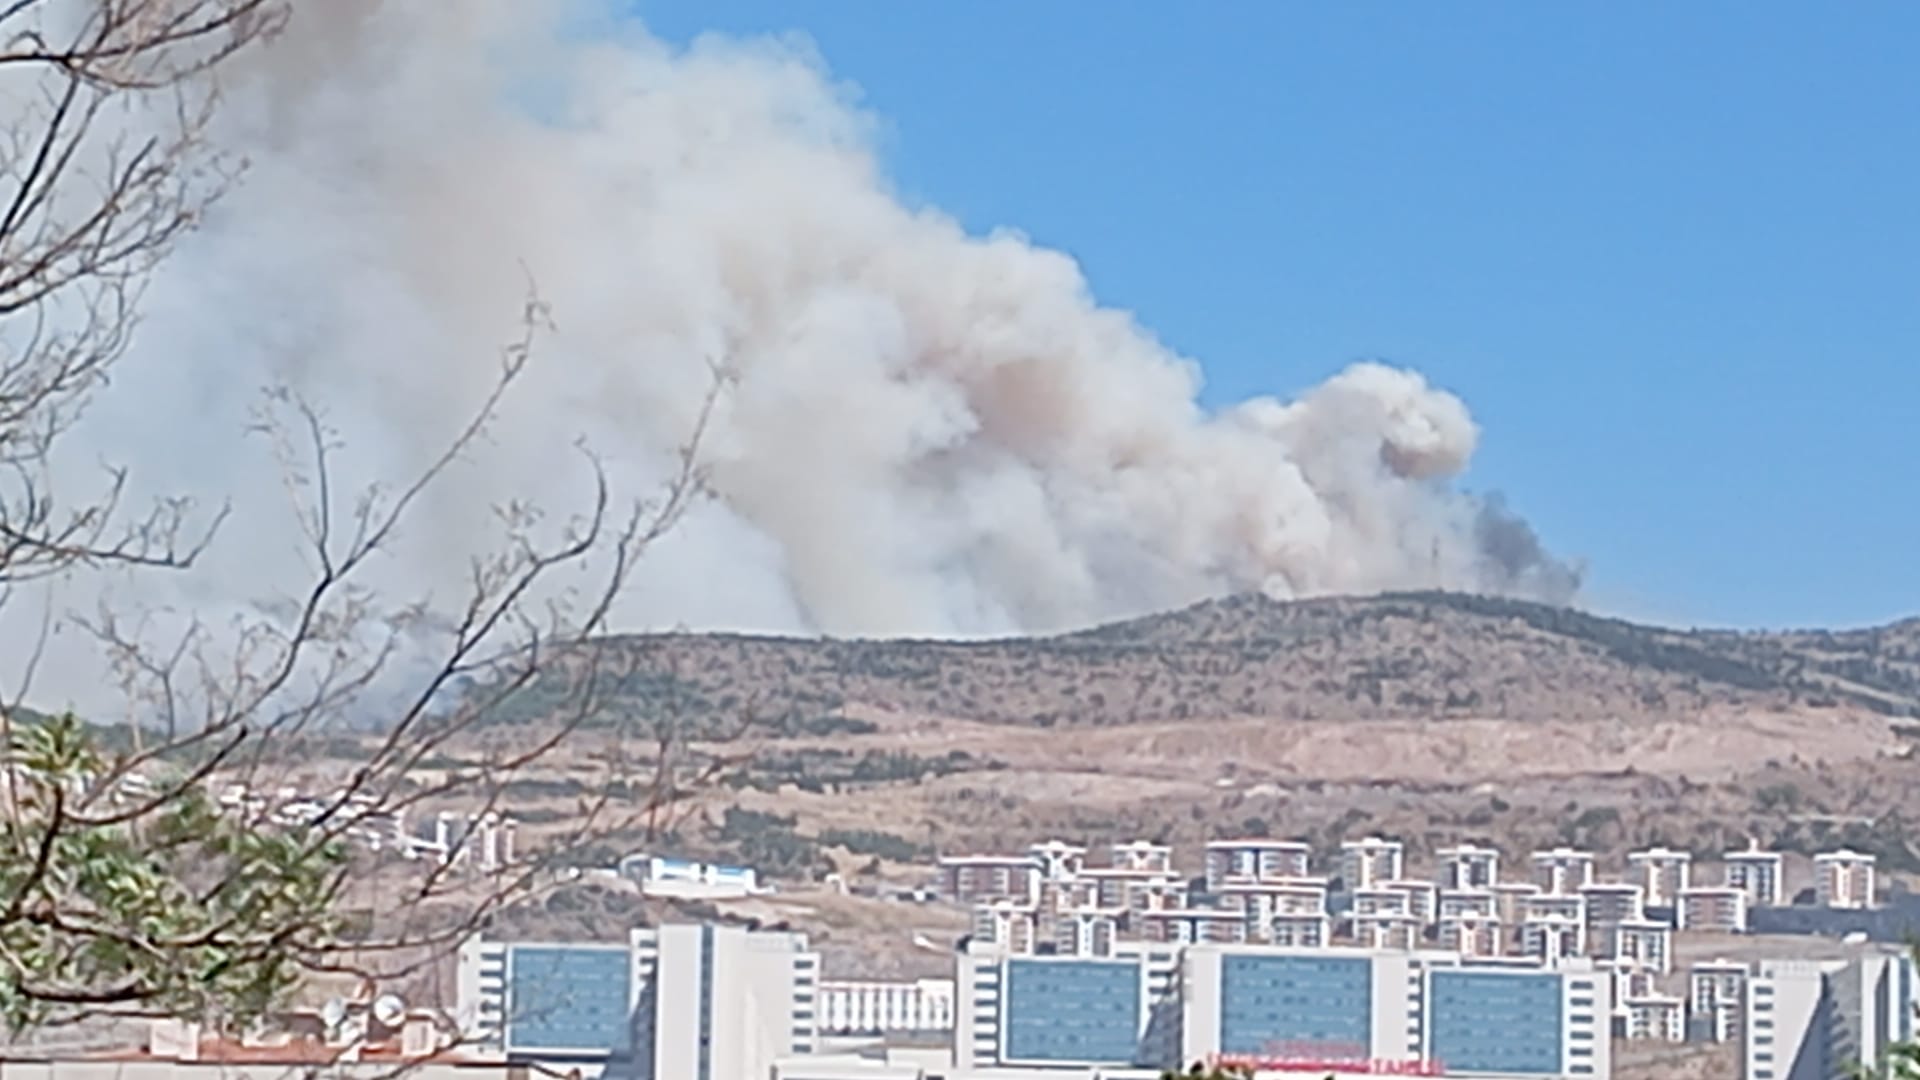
[1668, 253]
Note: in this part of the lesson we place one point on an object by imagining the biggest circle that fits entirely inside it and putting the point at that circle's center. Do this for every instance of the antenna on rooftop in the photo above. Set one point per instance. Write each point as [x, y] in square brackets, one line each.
[333, 1013]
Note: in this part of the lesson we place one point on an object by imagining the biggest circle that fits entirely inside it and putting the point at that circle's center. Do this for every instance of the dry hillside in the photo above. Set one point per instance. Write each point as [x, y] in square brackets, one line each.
[1435, 717]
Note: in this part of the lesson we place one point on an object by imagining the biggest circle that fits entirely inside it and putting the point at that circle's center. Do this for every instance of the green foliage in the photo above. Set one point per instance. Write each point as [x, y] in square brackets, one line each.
[886, 845]
[154, 903]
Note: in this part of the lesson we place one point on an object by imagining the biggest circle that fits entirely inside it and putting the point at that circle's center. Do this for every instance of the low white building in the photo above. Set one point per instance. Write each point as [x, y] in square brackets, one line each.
[874, 1008]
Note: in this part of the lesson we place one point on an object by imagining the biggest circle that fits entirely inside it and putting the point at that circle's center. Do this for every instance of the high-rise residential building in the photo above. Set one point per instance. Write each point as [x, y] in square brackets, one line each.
[1255, 860]
[979, 879]
[1843, 879]
[1467, 866]
[1510, 900]
[1653, 1018]
[678, 1001]
[1757, 873]
[1370, 861]
[1713, 909]
[1352, 1010]
[1141, 855]
[1058, 860]
[1643, 943]
[1661, 874]
[1827, 1020]
[1562, 871]
[1717, 999]
[1423, 899]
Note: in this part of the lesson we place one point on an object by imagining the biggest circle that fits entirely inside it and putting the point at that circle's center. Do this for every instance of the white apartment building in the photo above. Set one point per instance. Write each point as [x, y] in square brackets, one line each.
[1757, 873]
[1553, 939]
[1464, 903]
[1822, 1020]
[874, 1008]
[1661, 873]
[1385, 931]
[1255, 860]
[1843, 879]
[1654, 1017]
[1191, 926]
[1717, 998]
[975, 879]
[1423, 899]
[1646, 944]
[1713, 909]
[677, 1001]
[1562, 871]
[1371, 860]
[1467, 866]
[1473, 935]
[1058, 860]
[1510, 900]
[1141, 855]
[1009, 924]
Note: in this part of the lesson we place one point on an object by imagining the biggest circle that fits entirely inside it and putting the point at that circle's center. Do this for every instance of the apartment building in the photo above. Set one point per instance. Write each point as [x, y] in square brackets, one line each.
[1134, 889]
[1371, 860]
[1191, 926]
[1643, 943]
[680, 1000]
[1510, 900]
[1013, 926]
[1654, 1017]
[1423, 899]
[1759, 874]
[1466, 903]
[1562, 871]
[1714, 909]
[1255, 859]
[1473, 934]
[1827, 1020]
[1661, 873]
[1467, 866]
[1717, 999]
[980, 879]
[1843, 879]
[1058, 860]
[1141, 856]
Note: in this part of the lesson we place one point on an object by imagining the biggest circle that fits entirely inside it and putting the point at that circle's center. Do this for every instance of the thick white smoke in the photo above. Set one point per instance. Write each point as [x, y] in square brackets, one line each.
[930, 432]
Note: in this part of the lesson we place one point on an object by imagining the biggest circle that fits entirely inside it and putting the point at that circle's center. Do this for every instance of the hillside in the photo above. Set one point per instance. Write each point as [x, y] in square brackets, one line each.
[1409, 656]
[1433, 717]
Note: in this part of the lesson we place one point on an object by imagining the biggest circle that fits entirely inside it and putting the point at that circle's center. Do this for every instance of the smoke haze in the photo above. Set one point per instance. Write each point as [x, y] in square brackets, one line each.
[927, 433]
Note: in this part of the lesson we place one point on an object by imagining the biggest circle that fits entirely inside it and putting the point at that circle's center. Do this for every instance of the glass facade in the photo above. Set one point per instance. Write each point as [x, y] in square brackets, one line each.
[1296, 1006]
[569, 998]
[1083, 1011]
[1496, 1022]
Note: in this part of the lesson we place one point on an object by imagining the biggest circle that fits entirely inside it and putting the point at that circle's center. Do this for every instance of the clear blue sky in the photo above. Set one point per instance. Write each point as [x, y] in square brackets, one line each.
[1668, 253]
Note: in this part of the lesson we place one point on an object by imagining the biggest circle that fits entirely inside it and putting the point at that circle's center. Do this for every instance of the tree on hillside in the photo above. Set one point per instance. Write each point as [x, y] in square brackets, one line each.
[128, 887]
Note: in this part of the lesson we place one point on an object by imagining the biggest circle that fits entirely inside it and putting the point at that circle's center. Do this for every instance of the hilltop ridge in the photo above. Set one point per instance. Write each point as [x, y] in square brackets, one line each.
[1434, 656]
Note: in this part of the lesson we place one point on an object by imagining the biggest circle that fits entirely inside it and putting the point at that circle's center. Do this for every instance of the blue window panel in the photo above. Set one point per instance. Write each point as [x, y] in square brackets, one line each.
[1496, 1022]
[562, 998]
[1309, 1006]
[1072, 1011]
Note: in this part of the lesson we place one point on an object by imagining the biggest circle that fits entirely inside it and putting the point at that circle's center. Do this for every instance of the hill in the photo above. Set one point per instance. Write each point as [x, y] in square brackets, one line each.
[1404, 656]
[1433, 717]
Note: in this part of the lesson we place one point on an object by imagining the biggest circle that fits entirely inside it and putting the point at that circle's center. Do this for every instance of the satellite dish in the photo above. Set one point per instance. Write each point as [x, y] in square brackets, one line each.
[333, 1012]
[389, 1010]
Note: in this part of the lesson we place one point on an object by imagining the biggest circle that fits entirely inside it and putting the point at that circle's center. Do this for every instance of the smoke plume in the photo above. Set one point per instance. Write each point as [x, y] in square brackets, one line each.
[927, 432]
